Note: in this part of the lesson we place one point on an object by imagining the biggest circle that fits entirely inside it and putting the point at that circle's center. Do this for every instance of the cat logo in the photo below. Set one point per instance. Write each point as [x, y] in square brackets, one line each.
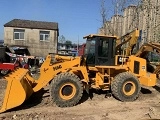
[57, 67]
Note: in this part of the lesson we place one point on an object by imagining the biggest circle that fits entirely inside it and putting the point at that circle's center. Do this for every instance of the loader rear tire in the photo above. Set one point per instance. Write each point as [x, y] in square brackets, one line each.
[66, 89]
[125, 87]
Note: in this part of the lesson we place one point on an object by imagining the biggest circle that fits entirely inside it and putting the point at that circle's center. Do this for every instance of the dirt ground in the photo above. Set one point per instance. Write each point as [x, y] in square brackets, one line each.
[93, 107]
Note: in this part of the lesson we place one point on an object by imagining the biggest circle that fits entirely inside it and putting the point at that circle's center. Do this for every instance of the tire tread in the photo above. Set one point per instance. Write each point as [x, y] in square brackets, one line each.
[118, 81]
[60, 78]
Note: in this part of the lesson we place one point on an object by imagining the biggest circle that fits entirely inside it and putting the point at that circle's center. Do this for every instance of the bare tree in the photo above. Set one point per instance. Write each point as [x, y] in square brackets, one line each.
[103, 14]
[104, 17]
[62, 39]
[120, 5]
[103, 11]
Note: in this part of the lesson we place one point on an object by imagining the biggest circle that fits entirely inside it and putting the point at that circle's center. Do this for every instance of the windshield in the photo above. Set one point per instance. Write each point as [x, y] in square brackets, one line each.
[90, 47]
[90, 51]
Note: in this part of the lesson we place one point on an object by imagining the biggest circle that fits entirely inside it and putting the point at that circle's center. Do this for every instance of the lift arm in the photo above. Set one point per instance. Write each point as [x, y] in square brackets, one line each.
[130, 40]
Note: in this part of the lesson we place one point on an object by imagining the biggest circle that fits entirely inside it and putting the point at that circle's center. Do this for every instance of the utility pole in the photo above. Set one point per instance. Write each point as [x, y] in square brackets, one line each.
[78, 45]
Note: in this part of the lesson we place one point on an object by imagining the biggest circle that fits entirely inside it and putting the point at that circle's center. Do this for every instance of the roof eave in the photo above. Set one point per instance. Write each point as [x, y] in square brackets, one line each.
[30, 27]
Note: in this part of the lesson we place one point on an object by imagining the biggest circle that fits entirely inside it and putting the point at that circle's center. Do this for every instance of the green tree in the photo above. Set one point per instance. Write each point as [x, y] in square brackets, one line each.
[68, 43]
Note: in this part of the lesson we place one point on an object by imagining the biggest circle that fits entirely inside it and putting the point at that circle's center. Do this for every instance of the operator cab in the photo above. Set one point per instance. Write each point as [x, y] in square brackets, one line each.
[100, 50]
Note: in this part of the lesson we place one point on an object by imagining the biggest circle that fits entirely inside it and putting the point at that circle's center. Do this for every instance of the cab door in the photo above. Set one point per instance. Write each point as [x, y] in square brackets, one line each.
[105, 51]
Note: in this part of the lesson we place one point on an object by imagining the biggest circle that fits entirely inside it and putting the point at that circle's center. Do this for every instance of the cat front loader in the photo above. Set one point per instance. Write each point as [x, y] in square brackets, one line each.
[99, 68]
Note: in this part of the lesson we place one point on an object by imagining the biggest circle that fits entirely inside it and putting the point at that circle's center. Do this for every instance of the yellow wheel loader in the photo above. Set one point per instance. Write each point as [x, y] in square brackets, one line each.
[68, 77]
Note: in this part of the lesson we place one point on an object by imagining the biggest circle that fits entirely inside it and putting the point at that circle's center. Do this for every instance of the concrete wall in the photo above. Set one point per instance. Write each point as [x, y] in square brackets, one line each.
[116, 25]
[106, 29]
[32, 40]
[149, 20]
[130, 21]
[113, 27]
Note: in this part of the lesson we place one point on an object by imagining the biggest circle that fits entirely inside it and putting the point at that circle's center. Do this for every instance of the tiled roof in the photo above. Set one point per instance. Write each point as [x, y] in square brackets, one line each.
[32, 24]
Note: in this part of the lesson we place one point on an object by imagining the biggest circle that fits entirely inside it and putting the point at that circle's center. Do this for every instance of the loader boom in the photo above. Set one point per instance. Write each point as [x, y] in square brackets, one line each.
[48, 70]
[148, 47]
[128, 41]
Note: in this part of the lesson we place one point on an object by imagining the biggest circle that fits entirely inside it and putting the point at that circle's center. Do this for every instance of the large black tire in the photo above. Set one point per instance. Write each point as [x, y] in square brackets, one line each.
[125, 87]
[66, 89]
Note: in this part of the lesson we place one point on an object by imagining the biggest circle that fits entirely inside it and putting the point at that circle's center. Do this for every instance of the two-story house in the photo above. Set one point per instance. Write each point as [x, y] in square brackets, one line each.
[40, 37]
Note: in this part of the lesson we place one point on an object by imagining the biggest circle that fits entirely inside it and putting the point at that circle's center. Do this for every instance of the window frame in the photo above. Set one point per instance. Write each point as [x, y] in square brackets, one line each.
[44, 35]
[104, 48]
[19, 32]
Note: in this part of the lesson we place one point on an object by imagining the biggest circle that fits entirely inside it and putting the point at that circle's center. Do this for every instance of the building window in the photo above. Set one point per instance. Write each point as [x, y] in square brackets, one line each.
[19, 34]
[44, 35]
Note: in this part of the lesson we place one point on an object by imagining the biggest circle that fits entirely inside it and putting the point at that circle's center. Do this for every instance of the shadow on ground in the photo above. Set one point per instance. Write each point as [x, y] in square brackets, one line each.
[157, 88]
[35, 99]
[91, 94]
[145, 91]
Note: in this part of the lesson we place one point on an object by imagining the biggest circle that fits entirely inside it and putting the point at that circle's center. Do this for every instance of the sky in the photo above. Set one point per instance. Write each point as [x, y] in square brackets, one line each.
[75, 18]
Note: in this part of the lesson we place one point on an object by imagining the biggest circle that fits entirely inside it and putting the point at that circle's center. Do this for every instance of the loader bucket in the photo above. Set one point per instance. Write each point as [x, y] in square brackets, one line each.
[17, 91]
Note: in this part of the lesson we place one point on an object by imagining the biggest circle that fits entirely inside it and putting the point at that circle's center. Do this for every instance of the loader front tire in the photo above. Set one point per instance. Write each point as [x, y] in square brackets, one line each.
[66, 89]
[125, 87]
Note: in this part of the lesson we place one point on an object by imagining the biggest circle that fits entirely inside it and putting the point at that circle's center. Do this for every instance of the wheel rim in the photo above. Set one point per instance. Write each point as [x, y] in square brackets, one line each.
[129, 88]
[67, 91]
